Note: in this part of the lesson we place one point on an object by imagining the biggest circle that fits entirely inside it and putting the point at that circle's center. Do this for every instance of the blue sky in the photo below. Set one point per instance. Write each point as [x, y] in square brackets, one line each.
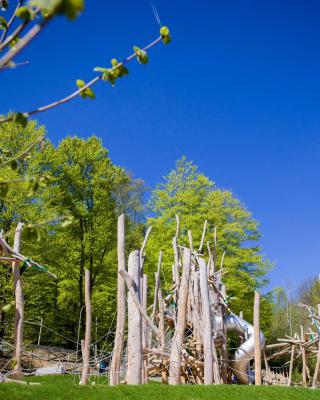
[237, 92]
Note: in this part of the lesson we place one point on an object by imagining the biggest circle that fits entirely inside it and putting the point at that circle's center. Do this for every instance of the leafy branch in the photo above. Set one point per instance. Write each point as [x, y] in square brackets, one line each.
[118, 70]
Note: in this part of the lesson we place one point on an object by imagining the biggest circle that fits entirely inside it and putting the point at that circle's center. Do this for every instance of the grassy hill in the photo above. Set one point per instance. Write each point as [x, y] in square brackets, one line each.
[64, 388]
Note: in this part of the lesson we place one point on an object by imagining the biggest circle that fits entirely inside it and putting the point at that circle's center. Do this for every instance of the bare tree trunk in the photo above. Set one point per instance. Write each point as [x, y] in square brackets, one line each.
[134, 375]
[316, 371]
[19, 298]
[121, 305]
[162, 332]
[257, 345]
[207, 330]
[87, 338]
[304, 359]
[176, 347]
[144, 328]
[291, 365]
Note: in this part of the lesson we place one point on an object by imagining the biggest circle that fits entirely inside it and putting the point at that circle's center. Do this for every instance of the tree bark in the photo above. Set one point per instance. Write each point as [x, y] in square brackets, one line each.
[135, 361]
[87, 338]
[207, 328]
[121, 305]
[291, 365]
[19, 298]
[257, 345]
[176, 347]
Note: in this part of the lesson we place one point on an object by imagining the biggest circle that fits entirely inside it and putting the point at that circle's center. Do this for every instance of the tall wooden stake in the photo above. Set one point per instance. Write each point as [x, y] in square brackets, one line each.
[304, 359]
[291, 365]
[257, 345]
[135, 360]
[87, 338]
[206, 318]
[121, 305]
[19, 298]
[176, 347]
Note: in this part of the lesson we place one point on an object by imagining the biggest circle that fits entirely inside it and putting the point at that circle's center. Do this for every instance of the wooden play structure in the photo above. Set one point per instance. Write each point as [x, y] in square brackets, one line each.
[180, 334]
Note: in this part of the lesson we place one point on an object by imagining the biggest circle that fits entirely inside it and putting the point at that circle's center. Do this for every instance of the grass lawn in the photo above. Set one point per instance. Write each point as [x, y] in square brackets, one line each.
[62, 387]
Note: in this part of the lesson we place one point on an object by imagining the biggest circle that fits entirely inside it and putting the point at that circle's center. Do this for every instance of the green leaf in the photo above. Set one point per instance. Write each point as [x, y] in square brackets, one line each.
[21, 119]
[7, 307]
[165, 34]
[88, 92]
[23, 13]
[80, 83]
[31, 232]
[3, 23]
[142, 55]
[70, 8]
[67, 221]
[107, 74]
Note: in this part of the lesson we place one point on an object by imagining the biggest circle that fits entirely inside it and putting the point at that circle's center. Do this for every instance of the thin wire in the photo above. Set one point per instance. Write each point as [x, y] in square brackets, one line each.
[155, 11]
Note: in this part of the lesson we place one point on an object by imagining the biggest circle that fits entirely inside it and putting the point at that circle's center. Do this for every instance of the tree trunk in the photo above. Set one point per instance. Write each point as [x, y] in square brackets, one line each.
[134, 375]
[176, 347]
[207, 328]
[19, 298]
[121, 306]
[87, 338]
[291, 365]
[257, 345]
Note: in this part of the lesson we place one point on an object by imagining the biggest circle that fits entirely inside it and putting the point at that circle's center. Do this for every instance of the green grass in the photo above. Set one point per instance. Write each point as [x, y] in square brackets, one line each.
[62, 387]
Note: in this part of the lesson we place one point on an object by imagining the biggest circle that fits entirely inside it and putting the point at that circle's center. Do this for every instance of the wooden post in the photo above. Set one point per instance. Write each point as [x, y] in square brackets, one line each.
[176, 347]
[291, 365]
[162, 332]
[207, 327]
[121, 305]
[19, 298]
[135, 362]
[316, 371]
[87, 338]
[144, 328]
[304, 359]
[257, 345]
[40, 330]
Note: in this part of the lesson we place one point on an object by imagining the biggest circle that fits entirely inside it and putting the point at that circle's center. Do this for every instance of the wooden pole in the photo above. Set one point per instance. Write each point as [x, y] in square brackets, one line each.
[257, 345]
[291, 365]
[207, 327]
[304, 359]
[87, 338]
[162, 332]
[135, 360]
[19, 298]
[40, 330]
[144, 327]
[121, 305]
[317, 368]
[176, 347]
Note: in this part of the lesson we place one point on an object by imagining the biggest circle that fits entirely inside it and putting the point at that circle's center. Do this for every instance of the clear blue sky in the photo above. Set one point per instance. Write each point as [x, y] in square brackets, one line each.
[237, 91]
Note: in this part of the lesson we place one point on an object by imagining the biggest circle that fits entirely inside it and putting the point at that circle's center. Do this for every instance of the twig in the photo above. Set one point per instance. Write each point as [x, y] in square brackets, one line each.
[19, 64]
[79, 91]
[32, 33]
[10, 22]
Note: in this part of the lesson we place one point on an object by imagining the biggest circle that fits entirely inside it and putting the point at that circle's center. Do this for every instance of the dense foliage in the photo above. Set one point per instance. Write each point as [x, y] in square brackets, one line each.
[69, 197]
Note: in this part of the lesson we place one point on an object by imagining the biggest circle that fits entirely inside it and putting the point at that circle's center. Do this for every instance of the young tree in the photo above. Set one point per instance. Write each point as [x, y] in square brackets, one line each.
[195, 198]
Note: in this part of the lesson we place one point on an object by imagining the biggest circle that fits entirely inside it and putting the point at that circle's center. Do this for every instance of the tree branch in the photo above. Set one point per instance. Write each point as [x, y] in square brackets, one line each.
[86, 86]
[10, 22]
[32, 33]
